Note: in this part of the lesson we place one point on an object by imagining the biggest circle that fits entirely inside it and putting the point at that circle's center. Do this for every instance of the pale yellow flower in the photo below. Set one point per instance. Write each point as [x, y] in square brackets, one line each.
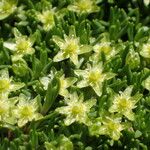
[6, 108]
[26, 110]
[104, 47]
[22, 46]
[47, 19]
[124, 103]
[76, 109]
[6, 83]
[93, 76]
[145, 51]
[110, 125]
[70, 48]
[84, 6]
[7, 7]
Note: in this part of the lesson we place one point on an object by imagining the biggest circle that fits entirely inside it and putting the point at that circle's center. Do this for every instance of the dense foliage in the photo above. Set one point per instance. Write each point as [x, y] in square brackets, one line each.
[74, 74]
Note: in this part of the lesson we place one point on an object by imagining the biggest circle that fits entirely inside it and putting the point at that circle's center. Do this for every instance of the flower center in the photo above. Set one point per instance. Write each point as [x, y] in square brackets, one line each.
[71, 48]
[124, 104]
[105, 48]
[112, 126]
[94, 77]
[84, 5]
[4, 84]
[77, 110]
[47, 18]
[22, 45]
[26, 111]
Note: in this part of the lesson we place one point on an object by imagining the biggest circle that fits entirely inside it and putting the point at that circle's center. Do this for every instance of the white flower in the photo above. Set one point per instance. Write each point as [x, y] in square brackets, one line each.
[22, 46]
[93, 76]
[123, 103]
[7, 7]
[104, 47]
[6, 84]
[47, 19]
[26, 110]
[70, 48]
[76, 109]
[84, 6]
[110, 125]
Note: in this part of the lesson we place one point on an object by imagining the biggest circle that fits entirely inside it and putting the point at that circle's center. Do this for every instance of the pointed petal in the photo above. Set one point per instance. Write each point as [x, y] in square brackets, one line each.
[16, 86]
[109, 75]
[69, 120]
[70, 81]
[10, 45]
[82, 84]
[90, 103]
[64, 92]
[22, 122]
[59, 57]
[128, 91]
[85, 49]
[58, 41]
[74, 59]
[115, 135]
[98, 89]
[129, 115]
[81, 73]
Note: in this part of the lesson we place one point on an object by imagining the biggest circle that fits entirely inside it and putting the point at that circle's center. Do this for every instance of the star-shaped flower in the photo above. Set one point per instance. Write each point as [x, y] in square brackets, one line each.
[47, 19]
[7, 7]
[109, 125]
[26, 110]
[104, 47]
[6, 84]
[123, 103]
[70, 48]
[93, 76]
[84, 6]
[6, 108]
[22, 46]
[76, 109]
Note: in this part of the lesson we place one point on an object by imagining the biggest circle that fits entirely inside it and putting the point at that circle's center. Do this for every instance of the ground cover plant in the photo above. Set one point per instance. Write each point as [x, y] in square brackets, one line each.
[74, 74]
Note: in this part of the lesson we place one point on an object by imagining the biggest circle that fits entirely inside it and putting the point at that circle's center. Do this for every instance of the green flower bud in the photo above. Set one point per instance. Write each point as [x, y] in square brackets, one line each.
[133, 59]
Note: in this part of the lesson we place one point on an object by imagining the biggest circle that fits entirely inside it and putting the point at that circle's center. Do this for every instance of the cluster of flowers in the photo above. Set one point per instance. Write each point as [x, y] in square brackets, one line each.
[92, 74]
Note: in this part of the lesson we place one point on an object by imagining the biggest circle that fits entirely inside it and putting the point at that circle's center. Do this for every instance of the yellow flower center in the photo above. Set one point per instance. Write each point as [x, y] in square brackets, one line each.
[77, 110]
[26, 111]
[23, 45]
[105, 48]
[94, 77]
[4, 84]
[48, 18]
[84, 5]
[124, 104]
[5, 7]
[71, 48]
